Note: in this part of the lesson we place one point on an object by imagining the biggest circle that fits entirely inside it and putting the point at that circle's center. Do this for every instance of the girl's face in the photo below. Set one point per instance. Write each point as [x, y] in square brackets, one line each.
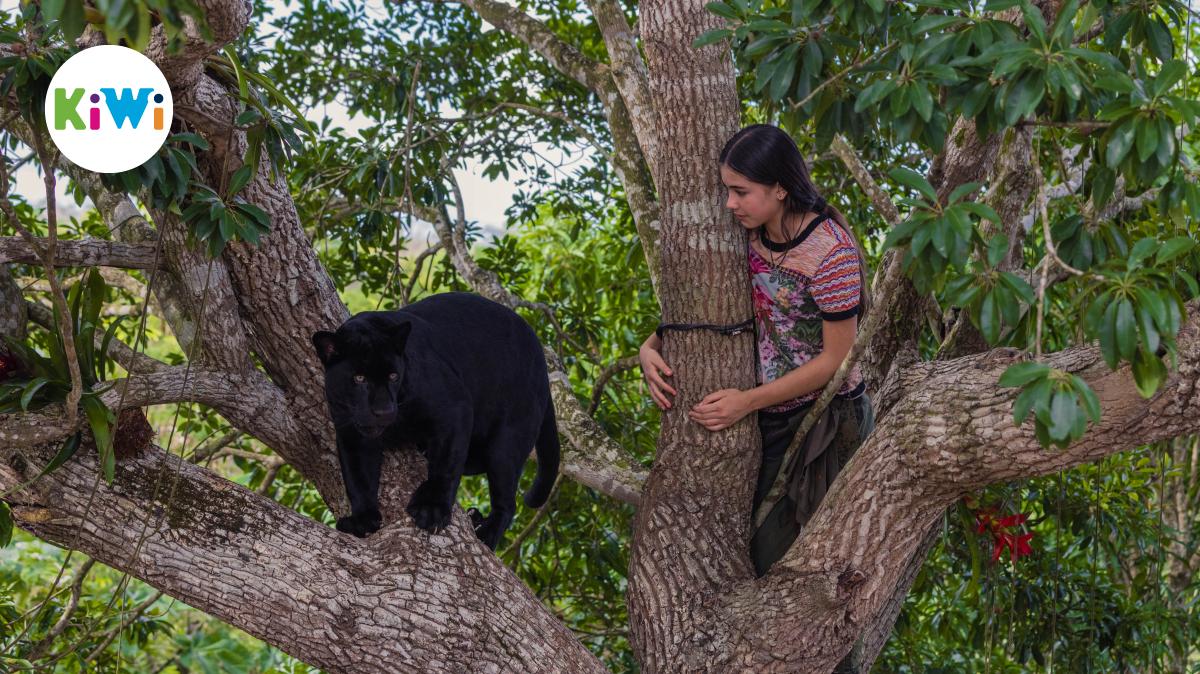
[753, 204]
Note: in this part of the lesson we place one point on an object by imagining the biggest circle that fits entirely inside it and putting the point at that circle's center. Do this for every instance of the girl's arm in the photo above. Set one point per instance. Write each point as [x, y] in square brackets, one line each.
[653, 342]
[654, 368]
[838, 337]
[721, 409]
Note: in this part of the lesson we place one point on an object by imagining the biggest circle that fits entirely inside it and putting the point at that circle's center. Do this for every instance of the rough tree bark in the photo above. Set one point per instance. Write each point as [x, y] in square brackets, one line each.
[405, 600]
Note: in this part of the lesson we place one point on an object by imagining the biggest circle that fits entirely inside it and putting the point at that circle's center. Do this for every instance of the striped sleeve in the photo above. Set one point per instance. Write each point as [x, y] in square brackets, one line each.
[836, 286]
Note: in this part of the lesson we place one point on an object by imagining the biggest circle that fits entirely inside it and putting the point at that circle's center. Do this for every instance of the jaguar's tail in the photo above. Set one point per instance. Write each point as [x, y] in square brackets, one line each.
[547, 457]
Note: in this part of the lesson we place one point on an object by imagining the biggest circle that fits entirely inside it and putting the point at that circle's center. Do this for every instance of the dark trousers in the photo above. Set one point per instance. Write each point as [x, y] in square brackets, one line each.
[852, 421]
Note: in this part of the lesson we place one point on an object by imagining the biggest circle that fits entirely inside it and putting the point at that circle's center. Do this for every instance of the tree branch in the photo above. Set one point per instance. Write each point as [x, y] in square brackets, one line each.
[629, 73]
[951, 435]
[250, 402]
[565, 57]
[391, 602]
[86, 252]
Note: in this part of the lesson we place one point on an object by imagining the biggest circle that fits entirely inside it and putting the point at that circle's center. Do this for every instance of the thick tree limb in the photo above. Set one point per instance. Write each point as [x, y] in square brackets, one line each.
[225, 19]
[395, 602]
[248, 401]
[82, 253]
[691, 529]
[282, 295]
[951, 435]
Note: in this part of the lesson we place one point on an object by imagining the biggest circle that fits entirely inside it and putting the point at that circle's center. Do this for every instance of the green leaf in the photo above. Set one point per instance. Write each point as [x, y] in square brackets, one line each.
[1119, 143]
[68, 449]
[1032, 397]
[785, 73]
[1020, 374]
[1090, 402]
[1019, 286]
[239, 179]
[1148, 373]
[922, 101]
[1102, 185]
[997, 248]
[102, 357]
[1158, 37]
[248, 117]
[1126, 329]
[1063, 409]
[813, 58]
[942, 235]
[1147, 138]
[1118, 83]
[1108, 336]
[989, 318]
[191, 138]
[31, 390]
[101, 419]
[1173, 248]
[228, 226]
[6, 525]
[1141, 250]
[1034, 20]
[258, 215]
[962, 191]
[1062, 22]
[721, 9]
[1021, 95]
[1172, 71]
[914, 180]
[1150, 336]
[873, 94]
[711, 37]
[935, 23]
[982, 211]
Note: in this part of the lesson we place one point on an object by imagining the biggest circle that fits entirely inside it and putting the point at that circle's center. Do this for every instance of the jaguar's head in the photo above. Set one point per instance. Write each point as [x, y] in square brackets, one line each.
[364, 373]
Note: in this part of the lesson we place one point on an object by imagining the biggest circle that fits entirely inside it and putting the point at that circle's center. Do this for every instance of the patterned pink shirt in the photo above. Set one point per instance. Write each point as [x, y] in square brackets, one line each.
[815, 281]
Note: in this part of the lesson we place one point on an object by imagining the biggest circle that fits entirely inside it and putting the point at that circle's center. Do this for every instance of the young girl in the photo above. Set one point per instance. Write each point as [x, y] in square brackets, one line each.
[808, 281]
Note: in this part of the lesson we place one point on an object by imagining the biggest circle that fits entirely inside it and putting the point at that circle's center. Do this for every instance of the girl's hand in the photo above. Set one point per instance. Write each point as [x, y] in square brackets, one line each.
[721, 409]
[652, 365]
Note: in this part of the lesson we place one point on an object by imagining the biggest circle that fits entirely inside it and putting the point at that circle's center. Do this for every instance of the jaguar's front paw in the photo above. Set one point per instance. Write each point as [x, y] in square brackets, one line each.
[429, 509]
[476, 517]
[361, 524]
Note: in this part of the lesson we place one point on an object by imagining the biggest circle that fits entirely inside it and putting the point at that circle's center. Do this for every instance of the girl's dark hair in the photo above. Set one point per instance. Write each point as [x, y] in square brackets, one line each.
[765, 154]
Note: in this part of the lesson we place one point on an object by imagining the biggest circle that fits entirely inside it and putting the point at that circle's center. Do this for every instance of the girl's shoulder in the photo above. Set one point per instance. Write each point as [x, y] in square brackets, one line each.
[826, 237]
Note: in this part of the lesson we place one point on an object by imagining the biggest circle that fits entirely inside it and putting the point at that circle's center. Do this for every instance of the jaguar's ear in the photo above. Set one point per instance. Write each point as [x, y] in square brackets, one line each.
[326, 347]
[399, 334]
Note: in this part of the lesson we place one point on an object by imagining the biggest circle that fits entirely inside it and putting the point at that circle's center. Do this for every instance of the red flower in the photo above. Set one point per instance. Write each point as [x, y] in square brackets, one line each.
[1017, 544]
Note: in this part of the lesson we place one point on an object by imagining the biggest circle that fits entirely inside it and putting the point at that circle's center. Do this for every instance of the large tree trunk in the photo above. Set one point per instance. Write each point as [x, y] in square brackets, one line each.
[690, 535]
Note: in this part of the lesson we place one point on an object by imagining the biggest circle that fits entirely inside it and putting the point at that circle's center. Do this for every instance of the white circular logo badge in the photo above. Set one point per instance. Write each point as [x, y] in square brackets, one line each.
[109, 109]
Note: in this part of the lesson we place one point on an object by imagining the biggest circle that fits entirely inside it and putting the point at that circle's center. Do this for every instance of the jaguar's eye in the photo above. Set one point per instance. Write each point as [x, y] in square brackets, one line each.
[358, 379]
[393, 376]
